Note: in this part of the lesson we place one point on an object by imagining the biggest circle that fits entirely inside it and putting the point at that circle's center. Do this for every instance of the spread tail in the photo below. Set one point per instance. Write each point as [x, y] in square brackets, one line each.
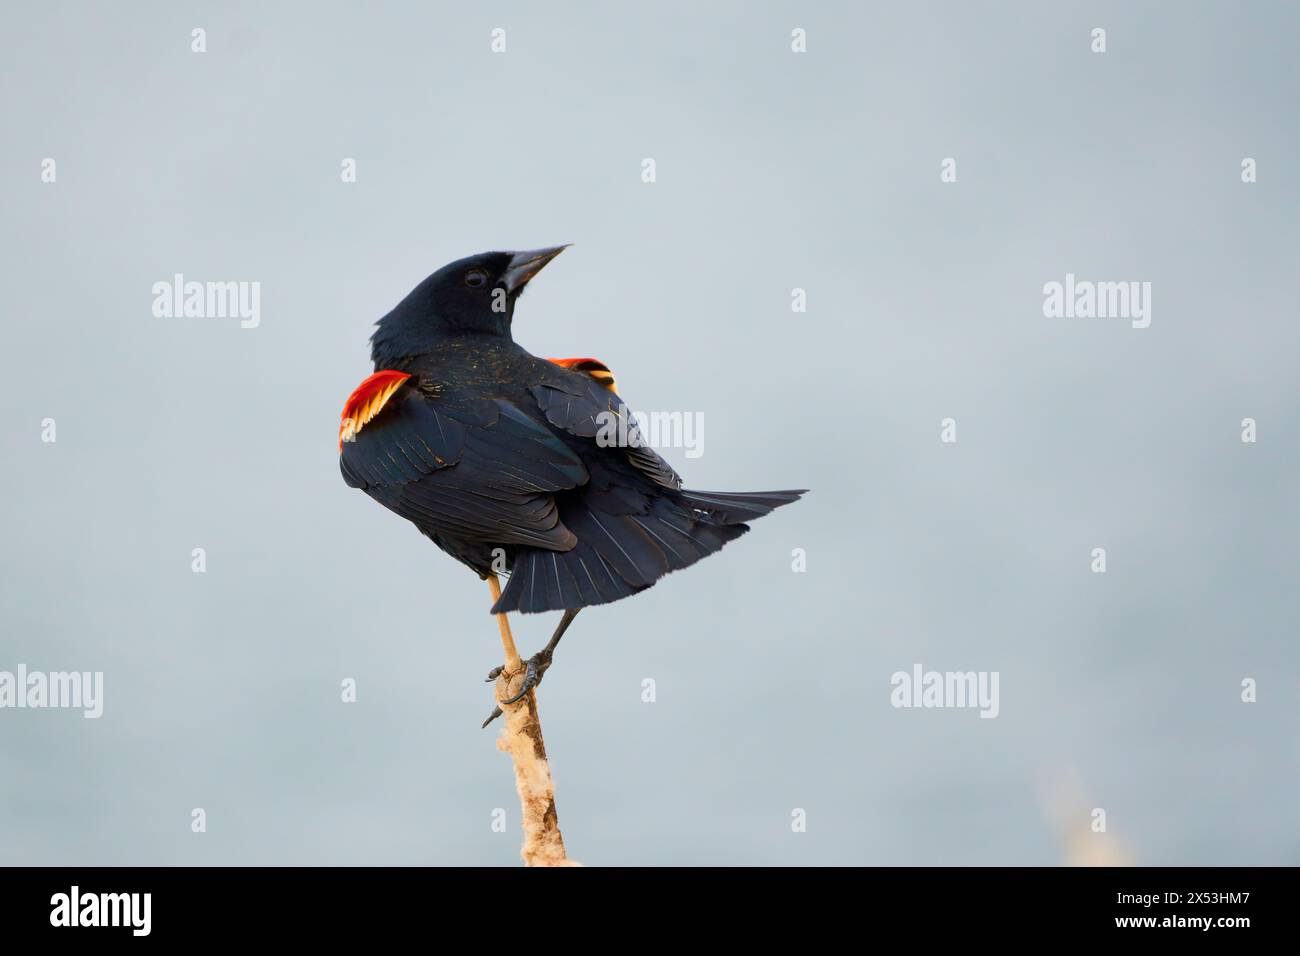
[618, 555]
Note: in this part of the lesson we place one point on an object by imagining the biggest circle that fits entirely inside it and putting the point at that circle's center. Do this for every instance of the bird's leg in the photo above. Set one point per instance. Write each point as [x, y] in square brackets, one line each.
[536, 666]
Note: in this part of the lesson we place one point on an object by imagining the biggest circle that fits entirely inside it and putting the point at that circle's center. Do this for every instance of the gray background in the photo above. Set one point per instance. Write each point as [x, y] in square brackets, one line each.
[775, 170]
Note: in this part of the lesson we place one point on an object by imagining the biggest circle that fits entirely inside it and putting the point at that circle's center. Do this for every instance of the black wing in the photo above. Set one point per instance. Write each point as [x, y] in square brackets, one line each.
[471, 469]
[586, 409]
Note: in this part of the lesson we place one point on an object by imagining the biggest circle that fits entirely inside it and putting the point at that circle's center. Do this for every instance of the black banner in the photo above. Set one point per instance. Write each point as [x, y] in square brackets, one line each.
[332, 905]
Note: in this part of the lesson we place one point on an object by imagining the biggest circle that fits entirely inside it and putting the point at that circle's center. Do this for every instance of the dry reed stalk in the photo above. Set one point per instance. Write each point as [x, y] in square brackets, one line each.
[521, 738]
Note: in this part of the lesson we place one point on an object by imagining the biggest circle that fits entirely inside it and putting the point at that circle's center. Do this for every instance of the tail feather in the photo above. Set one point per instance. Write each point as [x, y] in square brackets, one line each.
[618, 555]
[556, 580]
[730, 507]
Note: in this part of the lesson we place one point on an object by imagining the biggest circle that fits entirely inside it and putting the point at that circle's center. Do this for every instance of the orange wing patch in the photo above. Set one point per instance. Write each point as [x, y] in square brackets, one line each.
[595, 368]
[366, 401]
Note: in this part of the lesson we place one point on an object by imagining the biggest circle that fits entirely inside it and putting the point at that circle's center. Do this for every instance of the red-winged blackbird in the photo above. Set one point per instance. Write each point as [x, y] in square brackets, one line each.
[503, 460]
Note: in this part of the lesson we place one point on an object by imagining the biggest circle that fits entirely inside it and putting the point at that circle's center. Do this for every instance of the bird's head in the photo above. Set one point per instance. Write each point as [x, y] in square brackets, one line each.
[471, 296]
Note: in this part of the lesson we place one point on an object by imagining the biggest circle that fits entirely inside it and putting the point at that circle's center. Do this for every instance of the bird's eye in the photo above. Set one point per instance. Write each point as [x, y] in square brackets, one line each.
[475, 278]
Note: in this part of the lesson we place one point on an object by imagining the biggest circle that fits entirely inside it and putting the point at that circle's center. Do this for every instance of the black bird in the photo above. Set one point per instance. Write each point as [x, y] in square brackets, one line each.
[501, 458]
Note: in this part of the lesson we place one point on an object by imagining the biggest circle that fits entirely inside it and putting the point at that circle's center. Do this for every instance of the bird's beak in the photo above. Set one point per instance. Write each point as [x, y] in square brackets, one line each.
[525, 265]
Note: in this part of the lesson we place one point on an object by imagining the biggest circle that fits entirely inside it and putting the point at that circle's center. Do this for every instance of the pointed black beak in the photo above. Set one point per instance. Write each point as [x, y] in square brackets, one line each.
[525, 265]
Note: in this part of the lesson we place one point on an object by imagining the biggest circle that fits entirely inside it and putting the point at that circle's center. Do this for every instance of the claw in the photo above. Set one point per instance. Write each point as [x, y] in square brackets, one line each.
[536, 668]
[531, 679]
[533, 674]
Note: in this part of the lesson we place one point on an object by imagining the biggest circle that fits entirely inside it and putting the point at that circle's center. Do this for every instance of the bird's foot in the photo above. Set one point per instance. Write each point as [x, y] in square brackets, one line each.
[534, 670]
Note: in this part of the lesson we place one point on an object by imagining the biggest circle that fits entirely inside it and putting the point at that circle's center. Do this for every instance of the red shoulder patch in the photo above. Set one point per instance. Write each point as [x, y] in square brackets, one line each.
[595, 368]
[365, 402]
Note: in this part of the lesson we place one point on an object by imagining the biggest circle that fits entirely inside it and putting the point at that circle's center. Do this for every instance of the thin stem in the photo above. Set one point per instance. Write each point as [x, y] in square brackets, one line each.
[521, 738]
[512, 661]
